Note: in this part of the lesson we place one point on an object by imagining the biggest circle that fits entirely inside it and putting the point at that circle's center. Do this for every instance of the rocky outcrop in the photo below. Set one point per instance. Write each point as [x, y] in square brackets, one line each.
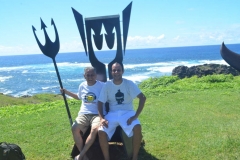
[203, 70]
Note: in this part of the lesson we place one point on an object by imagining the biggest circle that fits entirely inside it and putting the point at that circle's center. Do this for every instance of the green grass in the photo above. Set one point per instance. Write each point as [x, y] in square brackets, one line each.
[172, 84]
[194, 118]
[38, 98]
[193, 125]
[42, 130]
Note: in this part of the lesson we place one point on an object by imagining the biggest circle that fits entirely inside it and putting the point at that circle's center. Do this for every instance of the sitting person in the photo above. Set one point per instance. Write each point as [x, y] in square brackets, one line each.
[88, 92]
[119, 93]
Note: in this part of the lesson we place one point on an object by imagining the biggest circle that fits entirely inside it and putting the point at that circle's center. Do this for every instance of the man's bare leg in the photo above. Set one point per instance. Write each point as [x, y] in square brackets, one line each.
[137, 138]
[103, 140]
[90, 139]
[77, 138]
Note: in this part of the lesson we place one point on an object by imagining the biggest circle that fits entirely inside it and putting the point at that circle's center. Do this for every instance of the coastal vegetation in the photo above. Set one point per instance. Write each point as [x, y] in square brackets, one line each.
[38, 98]
[190, 118]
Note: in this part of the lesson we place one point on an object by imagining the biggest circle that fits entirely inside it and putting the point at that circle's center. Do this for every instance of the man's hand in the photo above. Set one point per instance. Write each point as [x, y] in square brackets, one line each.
[129, 121]
[104, 123]
[62, 90]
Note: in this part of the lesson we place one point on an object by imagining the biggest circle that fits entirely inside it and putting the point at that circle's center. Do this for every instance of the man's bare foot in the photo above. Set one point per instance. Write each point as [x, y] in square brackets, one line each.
[77, 157]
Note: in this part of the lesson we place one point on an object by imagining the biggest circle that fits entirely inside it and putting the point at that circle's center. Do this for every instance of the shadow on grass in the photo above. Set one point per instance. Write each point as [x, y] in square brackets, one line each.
[117, 152]
[143, 155]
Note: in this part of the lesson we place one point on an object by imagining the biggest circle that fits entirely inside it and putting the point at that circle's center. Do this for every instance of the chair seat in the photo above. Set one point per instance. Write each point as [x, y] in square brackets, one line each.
[119, 136]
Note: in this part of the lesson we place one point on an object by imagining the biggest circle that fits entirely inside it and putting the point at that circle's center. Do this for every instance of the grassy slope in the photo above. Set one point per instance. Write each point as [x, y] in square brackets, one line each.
[193, 125]
[42, 130]
[186, 123]
[38, 98]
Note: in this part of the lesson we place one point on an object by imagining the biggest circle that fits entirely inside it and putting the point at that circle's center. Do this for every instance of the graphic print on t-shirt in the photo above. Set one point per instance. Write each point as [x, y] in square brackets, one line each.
[119, 97]
[89, 97]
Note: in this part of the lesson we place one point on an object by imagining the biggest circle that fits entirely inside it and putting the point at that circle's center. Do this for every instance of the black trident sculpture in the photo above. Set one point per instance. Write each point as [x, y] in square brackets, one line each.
[109, 23]
[94, 26]
[232, 58]
[51, 49]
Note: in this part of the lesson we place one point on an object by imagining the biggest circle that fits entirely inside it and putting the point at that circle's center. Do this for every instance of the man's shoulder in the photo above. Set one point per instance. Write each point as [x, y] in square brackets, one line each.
[84, 83]
[109, 81]
[127, 81]
[100, 82]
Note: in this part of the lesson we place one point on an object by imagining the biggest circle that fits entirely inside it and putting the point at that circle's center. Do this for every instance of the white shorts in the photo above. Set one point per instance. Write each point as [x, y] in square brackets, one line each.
[116, 118]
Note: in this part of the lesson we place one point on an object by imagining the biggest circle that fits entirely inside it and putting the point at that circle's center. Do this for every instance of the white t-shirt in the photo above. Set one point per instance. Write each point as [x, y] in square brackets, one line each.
[89, 96]
[119, 97]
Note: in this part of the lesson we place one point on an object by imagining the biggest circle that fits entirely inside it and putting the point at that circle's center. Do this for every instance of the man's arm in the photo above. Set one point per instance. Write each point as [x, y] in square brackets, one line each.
[141, 103]
[103, 122]
[100, 110]
[73, 95]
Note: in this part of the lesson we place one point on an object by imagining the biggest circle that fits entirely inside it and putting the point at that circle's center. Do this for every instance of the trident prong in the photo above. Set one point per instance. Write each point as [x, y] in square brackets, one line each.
[51, 50]
[230, 57]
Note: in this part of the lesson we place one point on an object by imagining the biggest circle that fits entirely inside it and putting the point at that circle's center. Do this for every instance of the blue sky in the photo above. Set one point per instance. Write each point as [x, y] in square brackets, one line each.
[153, 23]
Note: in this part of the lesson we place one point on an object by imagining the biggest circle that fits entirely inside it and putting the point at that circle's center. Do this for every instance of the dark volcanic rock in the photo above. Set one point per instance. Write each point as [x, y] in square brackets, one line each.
[25, 96]
[203, 70]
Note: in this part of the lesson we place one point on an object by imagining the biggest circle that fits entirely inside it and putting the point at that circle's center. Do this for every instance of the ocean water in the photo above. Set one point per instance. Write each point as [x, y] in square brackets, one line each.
[32, 74]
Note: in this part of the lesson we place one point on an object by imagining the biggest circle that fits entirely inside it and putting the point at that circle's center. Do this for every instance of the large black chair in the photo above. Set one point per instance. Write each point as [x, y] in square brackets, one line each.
[118, 137]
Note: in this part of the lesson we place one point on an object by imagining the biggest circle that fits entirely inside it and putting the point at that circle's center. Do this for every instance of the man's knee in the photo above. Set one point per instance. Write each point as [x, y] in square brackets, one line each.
[94, 131]
[102, 134]
[75, 129]
[137, 129]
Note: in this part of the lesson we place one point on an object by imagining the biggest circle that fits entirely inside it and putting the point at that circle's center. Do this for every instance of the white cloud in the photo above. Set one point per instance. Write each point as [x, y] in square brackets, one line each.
[176, 38]
[161, 36]
[211, 37]
[144, 42]
[18, 50]
[203, 37]
[74, 46]
[217, 36]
